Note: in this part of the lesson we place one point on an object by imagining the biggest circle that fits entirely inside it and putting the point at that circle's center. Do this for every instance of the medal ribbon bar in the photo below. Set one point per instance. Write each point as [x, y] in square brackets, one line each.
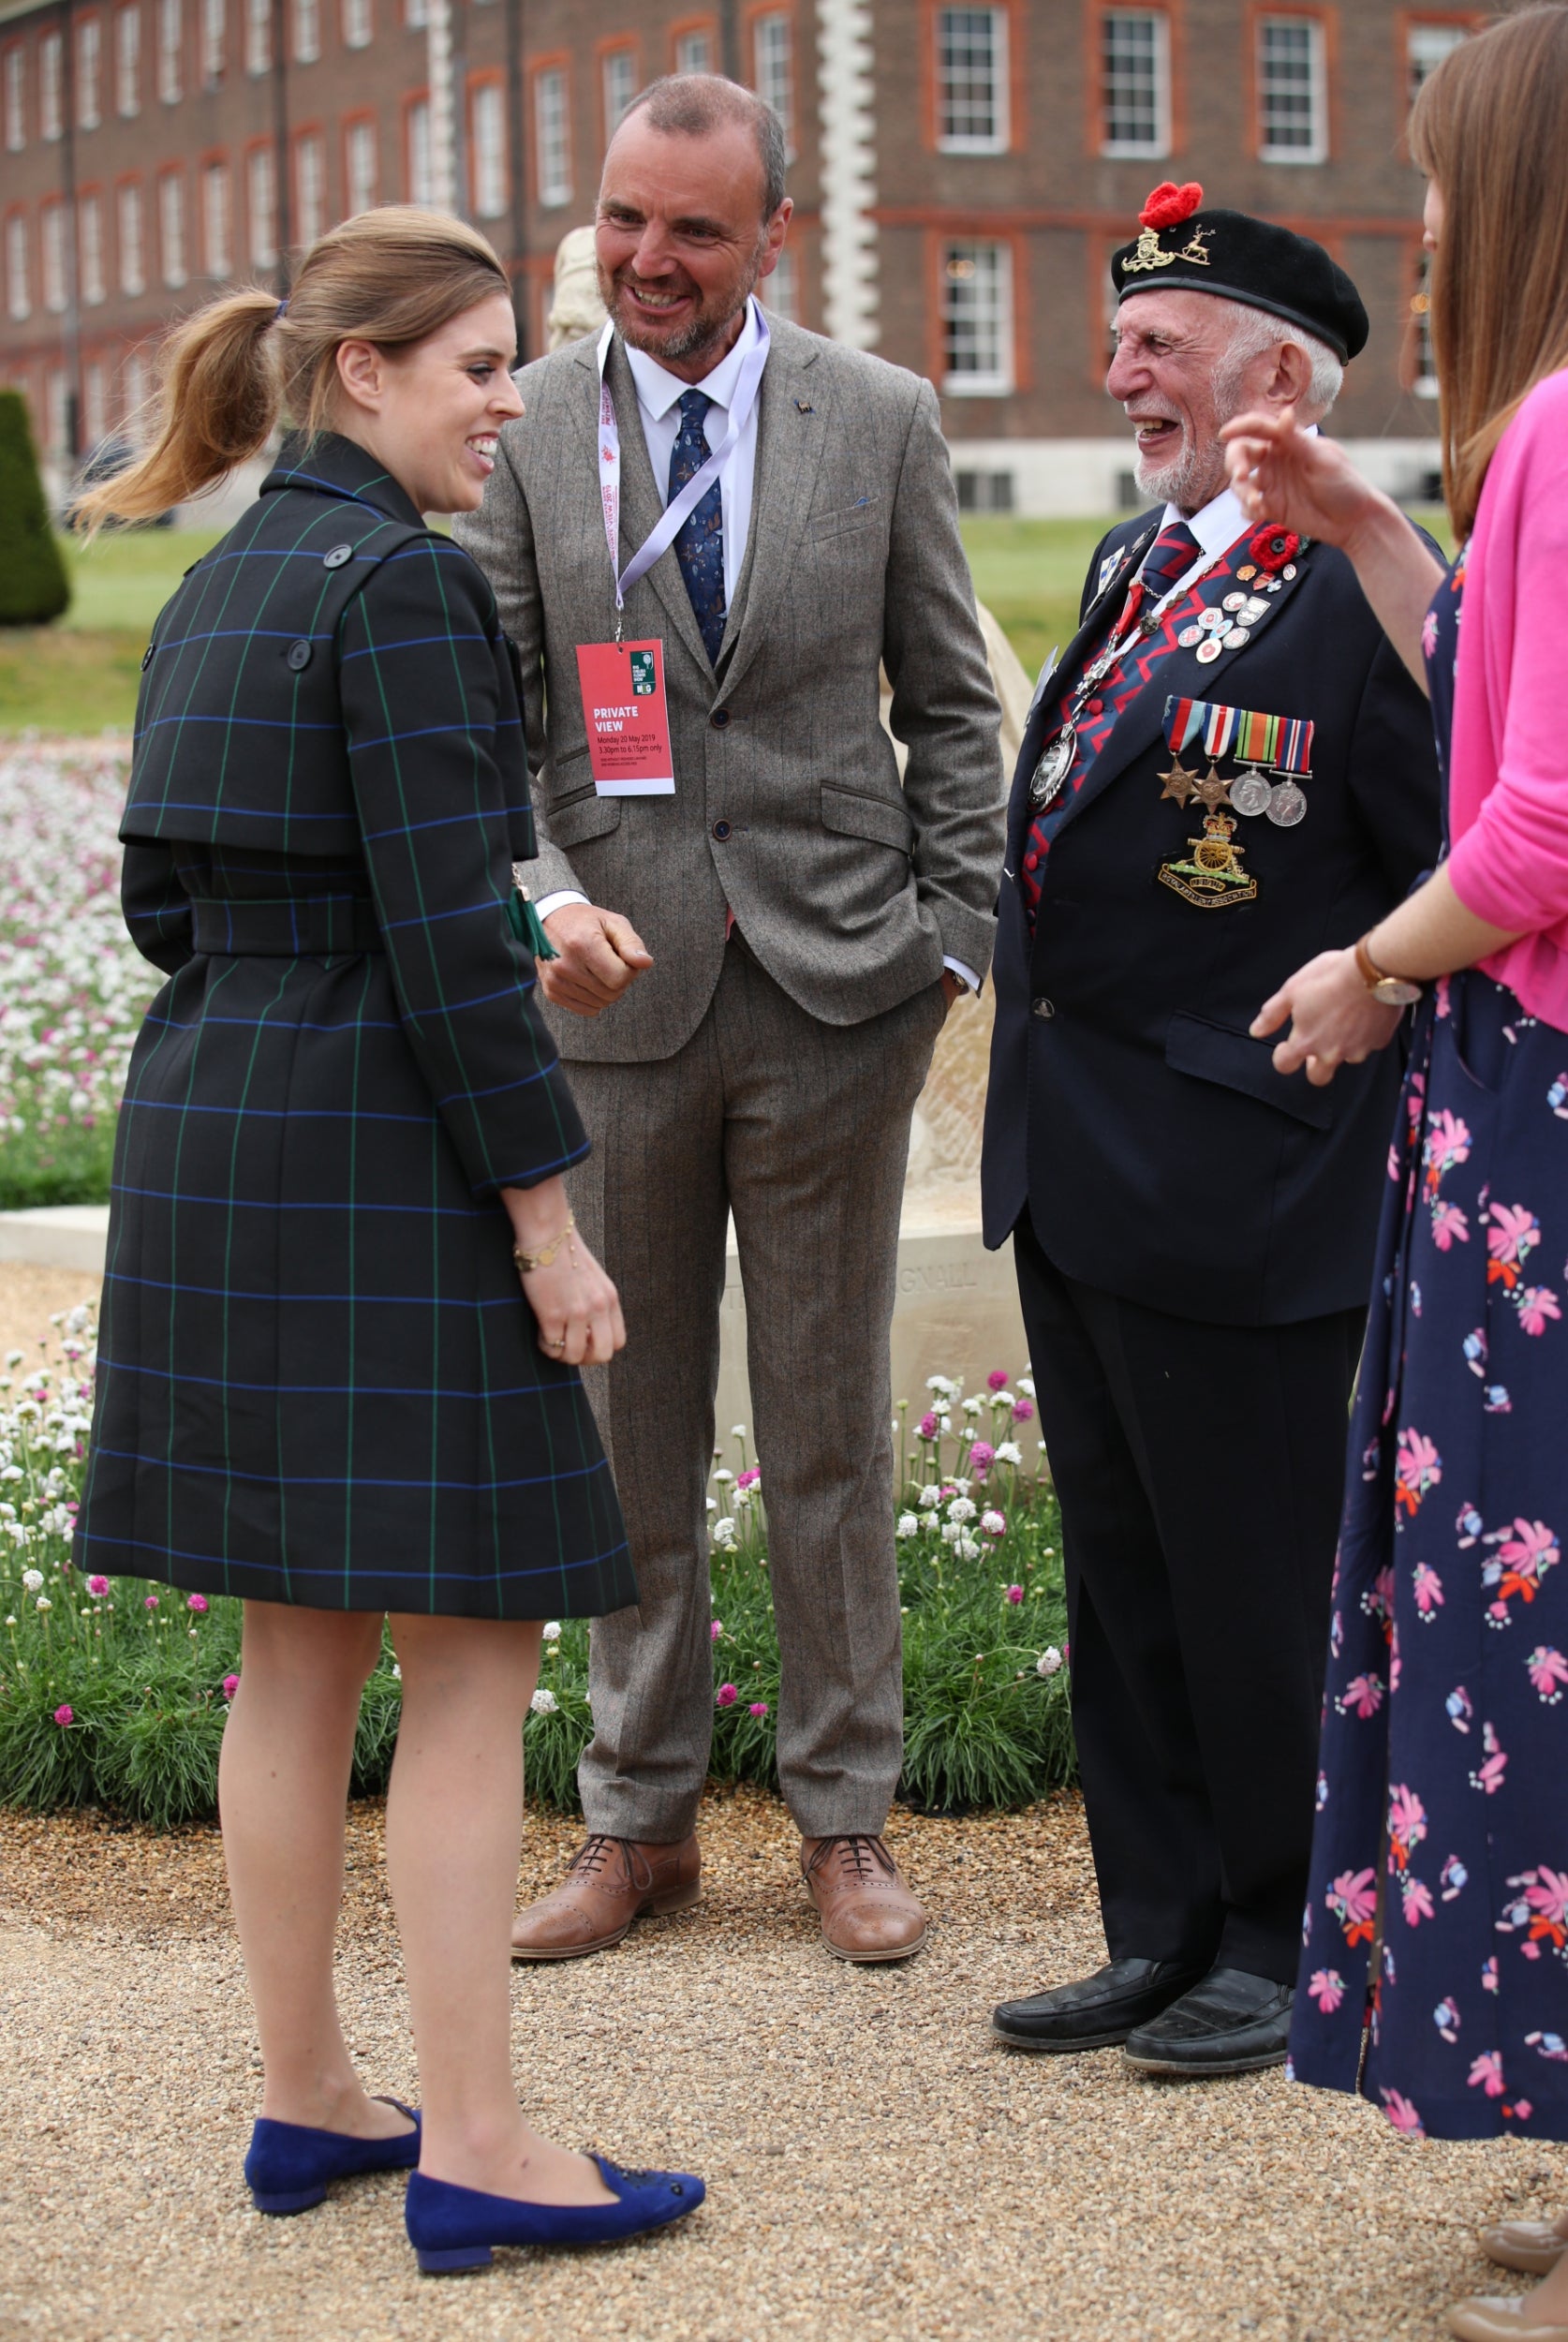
[1284, 742]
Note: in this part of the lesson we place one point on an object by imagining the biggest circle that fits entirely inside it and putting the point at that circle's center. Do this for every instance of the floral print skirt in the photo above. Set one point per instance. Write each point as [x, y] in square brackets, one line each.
[1436, 1931]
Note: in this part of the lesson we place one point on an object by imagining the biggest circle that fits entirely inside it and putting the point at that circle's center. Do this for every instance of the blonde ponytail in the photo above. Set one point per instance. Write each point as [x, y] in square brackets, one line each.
[391, 277]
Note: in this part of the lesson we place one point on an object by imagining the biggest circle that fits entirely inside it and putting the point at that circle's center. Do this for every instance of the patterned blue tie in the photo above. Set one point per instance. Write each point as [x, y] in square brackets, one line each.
[700, 547]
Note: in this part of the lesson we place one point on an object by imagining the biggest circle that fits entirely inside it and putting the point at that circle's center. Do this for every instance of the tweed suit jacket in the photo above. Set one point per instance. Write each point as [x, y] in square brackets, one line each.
[849, 887]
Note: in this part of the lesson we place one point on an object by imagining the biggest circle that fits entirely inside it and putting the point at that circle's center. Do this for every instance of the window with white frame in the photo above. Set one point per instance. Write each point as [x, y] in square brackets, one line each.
[971, 80]
[358, 23]
[780, 292]
[310, 186]
[18, 296]
[307, 31]
[1425, 46]
[130, 234]
[487, 136]
[171, 42]
[552, 136]
[135, 391]
[1134, 81]
[1293, 93]
[52, 242]
[977, 319]
[359, 167]
[56, 412]
[52, 85]
[261, 206]
[619, 86]
[258, 36]
[94, 402]
[89, 236]
[89, 72]
[127, 61]
[694, 52]
[16, 98]
[772, 61]
[416, 14]
[421, 177]
[215, 31]
[217, 220]
[171, 228]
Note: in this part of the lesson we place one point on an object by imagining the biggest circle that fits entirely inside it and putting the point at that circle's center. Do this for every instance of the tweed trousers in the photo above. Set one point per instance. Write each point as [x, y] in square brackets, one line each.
[800, 1129]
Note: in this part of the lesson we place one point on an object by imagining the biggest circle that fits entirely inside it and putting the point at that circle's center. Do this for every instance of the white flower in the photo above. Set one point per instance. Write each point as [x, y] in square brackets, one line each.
[14, 1358]
[543, 1703]
[944, 1423]
[1026, 1386]
[738, 1431]
[723, 1532]
[44, 1603]
[967, 1547]
[1048, 1661]
[951, 1533]
[909, 1524]
[939, 1383]
[961, 1488]
[32, 1579]
[13, 1471]
[993, 1523]
[723, 1477]
[11, 1619]
[973, 1406]
[712, 1503]
[744, 1496]
[929, 1497]
[1010, 1452]
[397, 1673]
[960, 1509]
[552, 1630]
[1003, 1398]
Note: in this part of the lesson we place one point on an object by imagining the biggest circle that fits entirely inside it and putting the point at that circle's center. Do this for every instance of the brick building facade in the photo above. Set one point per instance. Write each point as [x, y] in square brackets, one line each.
[960, 175]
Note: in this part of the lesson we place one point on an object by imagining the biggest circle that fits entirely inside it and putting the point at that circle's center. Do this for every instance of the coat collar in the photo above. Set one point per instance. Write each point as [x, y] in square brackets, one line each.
[330, 465]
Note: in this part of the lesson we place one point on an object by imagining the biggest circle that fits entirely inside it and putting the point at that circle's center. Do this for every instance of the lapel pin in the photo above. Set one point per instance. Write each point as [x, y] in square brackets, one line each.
[805, 406]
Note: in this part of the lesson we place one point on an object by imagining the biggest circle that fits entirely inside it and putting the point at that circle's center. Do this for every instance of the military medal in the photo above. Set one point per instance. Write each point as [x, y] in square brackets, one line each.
[1256, 741]
[1287, 804]
[1055, 763]
[1212, 791]
[1180, 782]
[1251, 791]
[1211, 877]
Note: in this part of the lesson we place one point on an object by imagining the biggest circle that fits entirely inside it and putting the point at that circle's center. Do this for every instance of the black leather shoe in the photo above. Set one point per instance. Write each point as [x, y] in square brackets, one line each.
[1097, 2011]
[1229, 2024]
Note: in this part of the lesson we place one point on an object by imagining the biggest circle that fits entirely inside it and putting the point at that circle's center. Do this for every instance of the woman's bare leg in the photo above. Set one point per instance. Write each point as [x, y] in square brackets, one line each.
[283, 1788]
[454, 1818]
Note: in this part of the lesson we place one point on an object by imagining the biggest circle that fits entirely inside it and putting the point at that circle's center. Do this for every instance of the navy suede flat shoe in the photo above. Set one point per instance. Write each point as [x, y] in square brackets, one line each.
[456, 2228]
[290, 2166]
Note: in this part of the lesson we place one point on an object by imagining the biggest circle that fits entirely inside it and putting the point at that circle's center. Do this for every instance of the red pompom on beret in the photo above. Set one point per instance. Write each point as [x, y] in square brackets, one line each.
[1169, 205]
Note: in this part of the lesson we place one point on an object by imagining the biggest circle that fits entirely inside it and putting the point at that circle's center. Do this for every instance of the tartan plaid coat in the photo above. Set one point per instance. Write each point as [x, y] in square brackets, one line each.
[319, 1381]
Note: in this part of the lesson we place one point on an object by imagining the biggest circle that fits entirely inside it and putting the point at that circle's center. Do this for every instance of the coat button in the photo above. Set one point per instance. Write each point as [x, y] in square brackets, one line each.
[1032, 862]
[1041, 1006]
[337, 556]
[147, 657]
[721, 831]
[719, 718]
[299, 655]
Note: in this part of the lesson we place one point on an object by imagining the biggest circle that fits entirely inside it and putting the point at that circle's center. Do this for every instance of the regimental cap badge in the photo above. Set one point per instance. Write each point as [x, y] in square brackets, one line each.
[1168, 207]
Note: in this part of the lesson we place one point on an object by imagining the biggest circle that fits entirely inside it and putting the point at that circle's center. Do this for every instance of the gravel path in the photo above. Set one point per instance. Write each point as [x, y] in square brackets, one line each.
[878, 2168]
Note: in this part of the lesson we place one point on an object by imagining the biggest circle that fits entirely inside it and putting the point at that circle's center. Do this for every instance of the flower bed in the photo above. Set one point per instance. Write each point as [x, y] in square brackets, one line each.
[72, 986]
[113, 1691]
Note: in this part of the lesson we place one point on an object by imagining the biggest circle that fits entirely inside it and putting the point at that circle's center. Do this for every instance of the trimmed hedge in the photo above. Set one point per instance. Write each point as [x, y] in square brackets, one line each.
[35, 587]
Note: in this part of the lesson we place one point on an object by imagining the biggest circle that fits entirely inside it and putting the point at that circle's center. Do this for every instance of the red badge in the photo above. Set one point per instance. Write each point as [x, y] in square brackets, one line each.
[1271, 547]
[626, 718]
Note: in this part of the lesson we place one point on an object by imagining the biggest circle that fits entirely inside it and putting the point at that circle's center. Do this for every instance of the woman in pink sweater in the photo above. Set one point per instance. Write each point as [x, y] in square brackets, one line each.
[1436, 1930]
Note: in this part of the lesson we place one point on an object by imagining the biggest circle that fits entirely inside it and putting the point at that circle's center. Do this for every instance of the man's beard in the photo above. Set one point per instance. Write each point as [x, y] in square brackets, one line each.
[706, 327]
[1183, 480]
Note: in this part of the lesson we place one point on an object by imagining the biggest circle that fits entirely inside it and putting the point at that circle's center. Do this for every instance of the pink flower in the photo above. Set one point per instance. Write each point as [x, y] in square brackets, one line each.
[151, 1603]
[715, 1630]
[759, 1707]
[1417, 1899]
[1023, 1412]
[1510, 1242]
[1548, 1672]
[926, 1427]
[97, 1588]
[1535, 1305]
[231, 1685]
[1401, 2113]
[996, 1380]
[63, 1716]
[1015, 1593]
[1447, 1140]
[1362, 1696]
[195, 1602]
[1418, 1468]
[1407, 1821]
[1521, 2107]
[982, 1457]
[1428, 635]
[1354, 1896]
[1489, 1776]
[1486, 2074]
[1450, 1226]
[749, 1479]
[1327, 1988]
[728, 1694]
[1428, 1590]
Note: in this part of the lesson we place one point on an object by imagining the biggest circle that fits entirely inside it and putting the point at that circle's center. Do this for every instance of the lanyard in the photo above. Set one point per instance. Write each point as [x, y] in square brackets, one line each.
[681, 507]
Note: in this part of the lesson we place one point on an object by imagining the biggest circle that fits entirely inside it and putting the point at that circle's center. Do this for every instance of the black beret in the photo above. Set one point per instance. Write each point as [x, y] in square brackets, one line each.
[1183, 248]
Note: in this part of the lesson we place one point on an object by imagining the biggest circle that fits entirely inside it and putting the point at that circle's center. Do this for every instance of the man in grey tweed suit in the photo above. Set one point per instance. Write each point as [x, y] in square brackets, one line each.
[753, 971]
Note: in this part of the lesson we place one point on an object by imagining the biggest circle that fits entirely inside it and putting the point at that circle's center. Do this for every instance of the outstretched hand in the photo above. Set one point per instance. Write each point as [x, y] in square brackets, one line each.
[1334, 1019]
[1298, 479]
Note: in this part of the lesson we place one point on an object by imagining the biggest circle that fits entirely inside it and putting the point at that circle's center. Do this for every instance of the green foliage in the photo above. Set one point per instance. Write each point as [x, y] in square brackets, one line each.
[34, 587]
[114, 1692]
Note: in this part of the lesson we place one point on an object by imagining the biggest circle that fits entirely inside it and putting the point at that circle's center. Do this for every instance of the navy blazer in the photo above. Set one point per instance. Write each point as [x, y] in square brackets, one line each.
[1159, 1154]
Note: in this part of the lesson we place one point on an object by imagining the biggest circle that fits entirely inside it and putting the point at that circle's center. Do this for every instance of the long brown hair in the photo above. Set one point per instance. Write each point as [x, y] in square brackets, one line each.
[1490, 127]
[229, 372]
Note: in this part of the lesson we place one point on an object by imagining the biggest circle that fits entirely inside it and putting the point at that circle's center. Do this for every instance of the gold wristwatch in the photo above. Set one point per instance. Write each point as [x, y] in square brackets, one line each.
[1392, 991]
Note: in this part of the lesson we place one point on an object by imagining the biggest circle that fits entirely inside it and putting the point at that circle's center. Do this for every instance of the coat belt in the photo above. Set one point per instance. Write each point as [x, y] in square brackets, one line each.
[315, 926]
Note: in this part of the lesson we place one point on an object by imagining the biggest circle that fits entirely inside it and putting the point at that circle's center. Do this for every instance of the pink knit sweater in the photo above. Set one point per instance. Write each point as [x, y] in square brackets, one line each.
[1508, 766]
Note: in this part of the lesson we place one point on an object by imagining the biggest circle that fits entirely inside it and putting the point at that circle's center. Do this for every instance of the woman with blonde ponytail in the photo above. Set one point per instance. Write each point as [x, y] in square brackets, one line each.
[345, 1306]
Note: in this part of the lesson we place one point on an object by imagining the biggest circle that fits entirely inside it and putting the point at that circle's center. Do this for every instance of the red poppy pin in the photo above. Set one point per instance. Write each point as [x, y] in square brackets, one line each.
[1169, 204]
[1271, 547]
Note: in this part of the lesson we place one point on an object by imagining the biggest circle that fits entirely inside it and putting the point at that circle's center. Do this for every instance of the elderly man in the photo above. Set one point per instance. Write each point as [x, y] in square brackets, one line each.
[1229, 771]
[760, 932]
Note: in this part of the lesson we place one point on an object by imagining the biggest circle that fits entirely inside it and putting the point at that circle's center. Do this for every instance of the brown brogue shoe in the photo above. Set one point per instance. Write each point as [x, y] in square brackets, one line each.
[868, 1909]
[610, 1882]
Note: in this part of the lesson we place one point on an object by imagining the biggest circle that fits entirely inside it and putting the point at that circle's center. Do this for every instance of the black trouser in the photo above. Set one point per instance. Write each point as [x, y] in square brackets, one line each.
[1200, 1470]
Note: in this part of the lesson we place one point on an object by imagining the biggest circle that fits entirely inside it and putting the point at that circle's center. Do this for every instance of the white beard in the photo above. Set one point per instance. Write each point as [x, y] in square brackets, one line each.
[1182, 480]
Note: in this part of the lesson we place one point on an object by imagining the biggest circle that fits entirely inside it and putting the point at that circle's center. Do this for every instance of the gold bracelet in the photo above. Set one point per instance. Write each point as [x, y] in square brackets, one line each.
[529, 1262]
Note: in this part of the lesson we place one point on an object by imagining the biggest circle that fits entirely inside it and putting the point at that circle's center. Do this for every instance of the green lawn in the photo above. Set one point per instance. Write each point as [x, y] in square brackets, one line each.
[80, 675]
